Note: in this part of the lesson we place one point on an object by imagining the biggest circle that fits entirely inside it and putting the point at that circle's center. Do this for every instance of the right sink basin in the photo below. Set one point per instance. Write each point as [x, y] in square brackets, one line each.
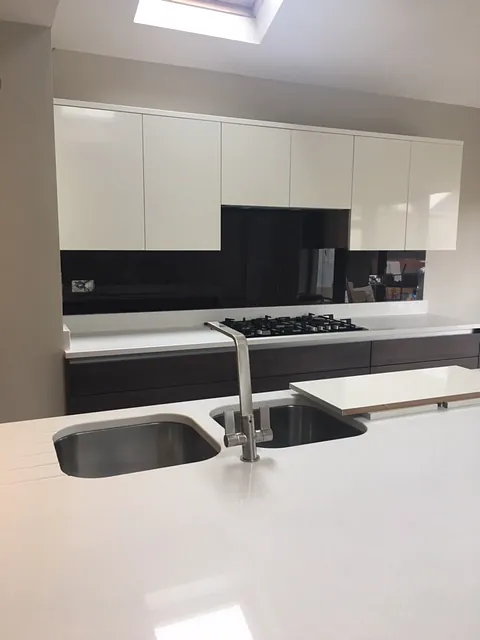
[296, 424]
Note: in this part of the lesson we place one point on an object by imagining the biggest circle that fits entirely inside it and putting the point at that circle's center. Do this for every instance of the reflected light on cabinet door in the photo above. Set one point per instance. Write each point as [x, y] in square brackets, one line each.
[437, 198]
[228, 623]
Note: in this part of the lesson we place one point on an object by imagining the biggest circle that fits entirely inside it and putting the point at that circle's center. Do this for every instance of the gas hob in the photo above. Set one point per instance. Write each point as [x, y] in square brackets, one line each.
[288, 326]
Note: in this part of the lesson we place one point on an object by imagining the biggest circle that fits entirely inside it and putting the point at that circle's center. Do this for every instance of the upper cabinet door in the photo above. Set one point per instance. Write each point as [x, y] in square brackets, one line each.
[182, 184]
[435, 177]
[255, 166]
[321, 170]
[380, 193]
[100, 179]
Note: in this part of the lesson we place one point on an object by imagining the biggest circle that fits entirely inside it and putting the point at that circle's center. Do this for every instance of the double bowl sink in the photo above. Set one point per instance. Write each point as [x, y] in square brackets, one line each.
[141, 446]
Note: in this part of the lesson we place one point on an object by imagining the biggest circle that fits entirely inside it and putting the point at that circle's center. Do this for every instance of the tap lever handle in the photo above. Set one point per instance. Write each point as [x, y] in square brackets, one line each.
[265, 433]
[229, 418]
[233, 438]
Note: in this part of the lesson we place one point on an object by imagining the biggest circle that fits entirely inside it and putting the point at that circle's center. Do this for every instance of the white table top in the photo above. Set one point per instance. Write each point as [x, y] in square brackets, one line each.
[381, 391]
[371, 538]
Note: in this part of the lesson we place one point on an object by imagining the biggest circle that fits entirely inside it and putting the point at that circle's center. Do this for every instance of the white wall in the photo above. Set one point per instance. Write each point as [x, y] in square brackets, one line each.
[31, 362]
[450, 275]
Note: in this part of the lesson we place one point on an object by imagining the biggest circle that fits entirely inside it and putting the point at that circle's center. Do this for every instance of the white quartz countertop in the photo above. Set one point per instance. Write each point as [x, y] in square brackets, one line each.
[369, 538]
[359, 395]
[202, 338]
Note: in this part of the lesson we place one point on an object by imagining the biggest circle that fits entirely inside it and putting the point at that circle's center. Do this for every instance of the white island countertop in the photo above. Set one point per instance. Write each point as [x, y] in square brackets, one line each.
[369, 538]
[386, 327]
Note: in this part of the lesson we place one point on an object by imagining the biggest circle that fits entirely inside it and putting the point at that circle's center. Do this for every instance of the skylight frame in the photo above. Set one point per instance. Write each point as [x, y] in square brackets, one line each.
[237, 7]
[203, 18]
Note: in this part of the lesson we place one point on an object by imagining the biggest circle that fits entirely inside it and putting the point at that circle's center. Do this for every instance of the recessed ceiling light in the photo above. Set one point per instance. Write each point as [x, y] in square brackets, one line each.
[242, 20]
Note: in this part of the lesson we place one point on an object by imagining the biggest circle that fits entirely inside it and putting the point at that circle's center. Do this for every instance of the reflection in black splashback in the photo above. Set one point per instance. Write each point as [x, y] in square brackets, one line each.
[269, 257]
[384, 276]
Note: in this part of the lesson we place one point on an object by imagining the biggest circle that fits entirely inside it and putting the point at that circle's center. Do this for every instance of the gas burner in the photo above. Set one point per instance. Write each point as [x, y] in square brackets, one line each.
[287, 326]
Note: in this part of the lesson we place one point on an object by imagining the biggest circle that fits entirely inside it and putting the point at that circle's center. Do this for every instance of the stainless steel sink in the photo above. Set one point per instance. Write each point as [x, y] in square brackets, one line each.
[295, 424]
[115, 451]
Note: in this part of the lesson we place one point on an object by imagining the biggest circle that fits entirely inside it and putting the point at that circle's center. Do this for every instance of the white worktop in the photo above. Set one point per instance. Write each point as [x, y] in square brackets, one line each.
[369, 538]
[200, 338]
[359, 395]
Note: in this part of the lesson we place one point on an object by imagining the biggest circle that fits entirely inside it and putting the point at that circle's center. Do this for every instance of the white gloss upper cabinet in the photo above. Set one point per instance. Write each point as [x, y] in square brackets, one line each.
[380, 193]
[435, 177]
[100, 179]
[182, 184]
[255, 166]
[321, 171]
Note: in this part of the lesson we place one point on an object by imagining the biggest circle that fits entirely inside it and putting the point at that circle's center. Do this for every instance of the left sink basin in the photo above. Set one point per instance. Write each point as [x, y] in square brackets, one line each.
[119, 450]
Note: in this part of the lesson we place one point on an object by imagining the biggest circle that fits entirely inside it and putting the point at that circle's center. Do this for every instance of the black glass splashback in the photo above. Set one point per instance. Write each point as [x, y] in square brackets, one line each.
[269, 257]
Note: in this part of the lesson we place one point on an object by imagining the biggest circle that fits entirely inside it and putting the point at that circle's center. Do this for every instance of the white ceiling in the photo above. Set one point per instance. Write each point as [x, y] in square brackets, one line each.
[40, 12]
[425, 49]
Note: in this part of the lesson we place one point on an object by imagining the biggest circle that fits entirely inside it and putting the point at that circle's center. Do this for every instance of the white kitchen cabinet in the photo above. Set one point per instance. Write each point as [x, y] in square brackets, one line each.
[100, 179]
[255, 166]
[182, 184]
[380, 193]
[435, 176]
[321, 171]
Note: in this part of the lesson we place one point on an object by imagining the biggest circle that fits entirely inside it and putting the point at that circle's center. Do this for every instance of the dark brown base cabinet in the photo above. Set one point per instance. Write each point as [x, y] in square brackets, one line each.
[101, 384]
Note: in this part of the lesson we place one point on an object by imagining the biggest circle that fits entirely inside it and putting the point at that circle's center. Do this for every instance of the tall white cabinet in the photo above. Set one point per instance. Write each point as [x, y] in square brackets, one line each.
[255, 166]
[434, 194]
[100, 179]
[182, 184]
[381, 174]
[321, 170]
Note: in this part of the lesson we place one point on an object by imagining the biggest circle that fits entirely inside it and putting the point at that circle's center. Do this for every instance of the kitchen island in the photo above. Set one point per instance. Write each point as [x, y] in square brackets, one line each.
[374, 537]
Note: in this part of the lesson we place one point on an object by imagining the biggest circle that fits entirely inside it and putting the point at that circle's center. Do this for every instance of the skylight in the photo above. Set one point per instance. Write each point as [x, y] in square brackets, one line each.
[242, 20]
[246, 8]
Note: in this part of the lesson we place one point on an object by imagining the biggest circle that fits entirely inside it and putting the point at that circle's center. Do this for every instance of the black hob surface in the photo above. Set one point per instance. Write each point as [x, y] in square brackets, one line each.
[287, 326]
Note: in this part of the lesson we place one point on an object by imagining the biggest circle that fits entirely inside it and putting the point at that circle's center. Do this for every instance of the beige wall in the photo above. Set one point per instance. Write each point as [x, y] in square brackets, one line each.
[451, 276]
[31, 374]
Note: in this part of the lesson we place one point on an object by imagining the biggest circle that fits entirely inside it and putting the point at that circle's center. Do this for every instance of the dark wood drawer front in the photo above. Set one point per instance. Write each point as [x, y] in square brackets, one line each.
[469, 363]
[132, 373]
[112, 375]
[283, 362]
[391, 352]
[281, 383]
[146, 397]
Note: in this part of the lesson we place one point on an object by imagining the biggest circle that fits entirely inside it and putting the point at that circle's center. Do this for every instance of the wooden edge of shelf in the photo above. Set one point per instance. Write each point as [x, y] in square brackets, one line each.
[409, 403]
